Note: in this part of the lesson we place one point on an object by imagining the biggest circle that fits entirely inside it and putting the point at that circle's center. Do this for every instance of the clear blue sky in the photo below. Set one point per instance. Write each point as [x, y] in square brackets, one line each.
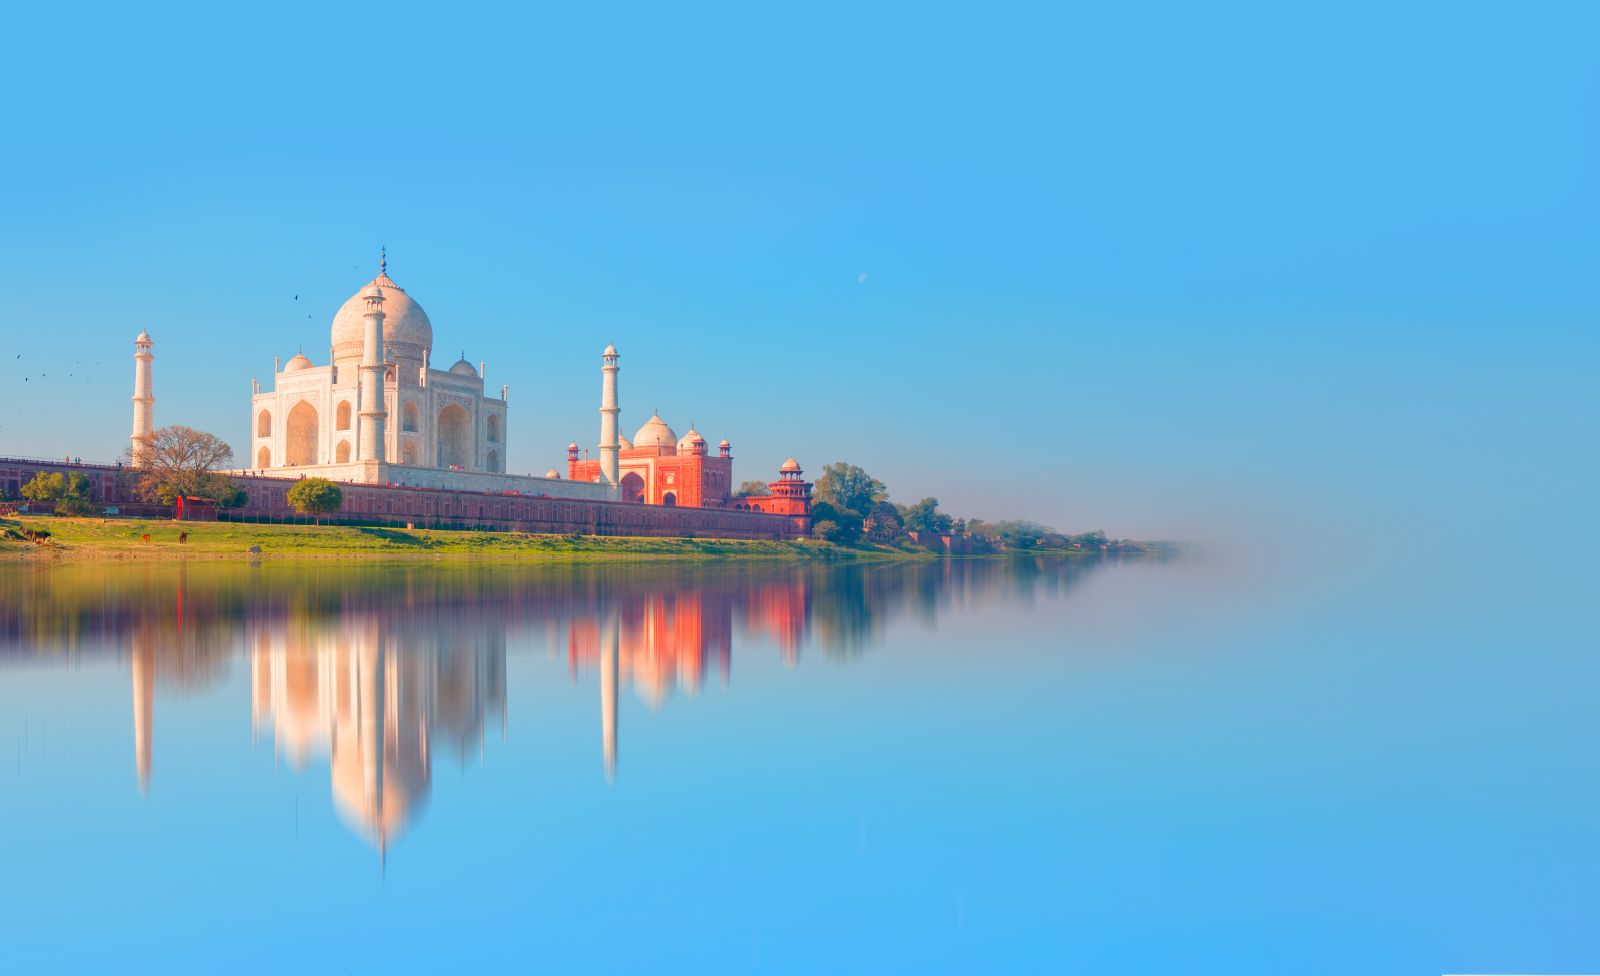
[1156, 269]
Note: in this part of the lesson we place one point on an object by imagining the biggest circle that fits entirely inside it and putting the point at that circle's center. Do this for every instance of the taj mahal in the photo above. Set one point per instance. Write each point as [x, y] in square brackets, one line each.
[378, 413]
[379, 403]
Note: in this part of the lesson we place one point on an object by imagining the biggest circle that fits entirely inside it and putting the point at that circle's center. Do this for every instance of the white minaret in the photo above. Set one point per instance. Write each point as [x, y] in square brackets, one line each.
[372, 412]
[608, 415]
[144, 398]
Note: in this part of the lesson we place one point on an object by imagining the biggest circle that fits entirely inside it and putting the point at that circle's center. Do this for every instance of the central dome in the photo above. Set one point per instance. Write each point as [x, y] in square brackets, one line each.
[407, 333]
[655, 433]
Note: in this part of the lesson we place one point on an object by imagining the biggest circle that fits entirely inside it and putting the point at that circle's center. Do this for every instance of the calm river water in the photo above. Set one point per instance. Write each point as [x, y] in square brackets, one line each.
[973, 766]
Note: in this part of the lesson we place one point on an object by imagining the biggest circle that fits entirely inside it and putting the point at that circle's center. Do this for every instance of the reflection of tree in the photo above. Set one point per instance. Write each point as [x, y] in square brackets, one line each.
[376, 667]
[195, 617]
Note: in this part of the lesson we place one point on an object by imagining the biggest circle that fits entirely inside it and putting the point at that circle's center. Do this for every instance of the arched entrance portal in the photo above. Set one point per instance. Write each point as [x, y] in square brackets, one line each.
[455, 437]
[264, 458]
[632, 487]
[300, 440]
[670, 500]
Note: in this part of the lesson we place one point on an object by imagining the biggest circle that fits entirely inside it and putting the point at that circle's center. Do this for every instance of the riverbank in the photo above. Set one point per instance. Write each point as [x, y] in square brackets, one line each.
[81, 539]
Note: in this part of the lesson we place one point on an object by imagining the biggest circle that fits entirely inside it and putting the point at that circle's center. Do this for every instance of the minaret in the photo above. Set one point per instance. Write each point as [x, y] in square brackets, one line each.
[610, 637]
[608, 415]
[144, 399]
[143, 705]
[372, 378]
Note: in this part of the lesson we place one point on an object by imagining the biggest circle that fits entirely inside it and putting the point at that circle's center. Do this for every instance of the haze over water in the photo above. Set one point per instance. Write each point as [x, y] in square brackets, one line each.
[1210, 764]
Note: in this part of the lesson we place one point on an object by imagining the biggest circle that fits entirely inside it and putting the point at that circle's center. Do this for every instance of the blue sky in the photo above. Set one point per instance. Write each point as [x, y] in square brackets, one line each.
[1164, 270]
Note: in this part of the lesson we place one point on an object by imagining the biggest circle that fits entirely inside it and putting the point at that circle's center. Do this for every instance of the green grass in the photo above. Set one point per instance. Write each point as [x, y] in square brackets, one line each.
[98, 538]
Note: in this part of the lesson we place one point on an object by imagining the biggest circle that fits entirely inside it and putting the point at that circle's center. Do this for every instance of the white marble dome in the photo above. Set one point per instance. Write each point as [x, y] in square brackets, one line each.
[298, 362]
[655, 433]
[407, 332]
[464, 368]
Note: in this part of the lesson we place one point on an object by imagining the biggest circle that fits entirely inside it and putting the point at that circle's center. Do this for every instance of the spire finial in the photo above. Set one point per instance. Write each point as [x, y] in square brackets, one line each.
[383, 259]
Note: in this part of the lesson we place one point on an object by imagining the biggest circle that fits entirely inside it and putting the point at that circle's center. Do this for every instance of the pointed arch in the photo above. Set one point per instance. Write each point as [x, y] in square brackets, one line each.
[455, 437]
[341, 417]
[632, 487]
[300, 441]
[264, 424]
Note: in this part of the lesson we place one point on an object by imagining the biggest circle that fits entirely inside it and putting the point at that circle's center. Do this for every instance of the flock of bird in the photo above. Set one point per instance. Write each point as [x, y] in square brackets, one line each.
[46, 374]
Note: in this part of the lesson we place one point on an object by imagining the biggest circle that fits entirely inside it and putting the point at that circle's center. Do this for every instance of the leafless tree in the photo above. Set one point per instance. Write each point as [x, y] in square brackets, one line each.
[179, 460]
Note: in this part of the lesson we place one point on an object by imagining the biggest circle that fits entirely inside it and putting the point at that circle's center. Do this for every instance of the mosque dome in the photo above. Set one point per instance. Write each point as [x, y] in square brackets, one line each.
[553, 473]
[624, 443]
[790, 466]
[407, 332]
[298, 362]
[655, 433]
[690, 441]
[464, 368]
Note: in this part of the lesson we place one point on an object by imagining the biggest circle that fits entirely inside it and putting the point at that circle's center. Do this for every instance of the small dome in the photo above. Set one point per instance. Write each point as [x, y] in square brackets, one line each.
[724, 444]
[790, 466]
[573, 446]
[553, 473]
[611, 350]
[144, 336]
[655, 433]
[624, 443]
[464, 368]
[299, 362]
[691, 440]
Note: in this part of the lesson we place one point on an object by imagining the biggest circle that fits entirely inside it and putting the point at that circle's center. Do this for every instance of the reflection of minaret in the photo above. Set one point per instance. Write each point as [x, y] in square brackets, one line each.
[143, 704]
[608, 692]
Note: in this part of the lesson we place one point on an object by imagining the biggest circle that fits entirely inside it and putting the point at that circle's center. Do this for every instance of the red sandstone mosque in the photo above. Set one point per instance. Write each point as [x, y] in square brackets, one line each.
[659, 468]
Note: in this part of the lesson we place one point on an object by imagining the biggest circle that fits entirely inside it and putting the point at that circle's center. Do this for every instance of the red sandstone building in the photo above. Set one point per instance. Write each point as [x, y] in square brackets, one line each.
[659, 468]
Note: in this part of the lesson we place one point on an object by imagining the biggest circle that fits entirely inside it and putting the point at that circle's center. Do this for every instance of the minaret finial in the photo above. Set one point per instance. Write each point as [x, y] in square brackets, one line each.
[383, 260]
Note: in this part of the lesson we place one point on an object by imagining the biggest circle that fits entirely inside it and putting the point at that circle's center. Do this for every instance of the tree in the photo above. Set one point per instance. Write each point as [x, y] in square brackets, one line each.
[179, 460]
[843, 526]
[848, 488]
[316, 497]
[925, 516]
[45, 487]
[1018, 533]
[70, 493]
[752, 488]
[883, 523]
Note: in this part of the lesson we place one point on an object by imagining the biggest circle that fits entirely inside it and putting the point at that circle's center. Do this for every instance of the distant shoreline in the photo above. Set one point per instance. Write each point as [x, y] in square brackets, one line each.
[122, 540]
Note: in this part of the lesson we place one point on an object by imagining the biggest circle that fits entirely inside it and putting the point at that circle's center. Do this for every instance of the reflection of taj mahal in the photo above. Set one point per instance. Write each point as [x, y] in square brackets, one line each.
[377, 704]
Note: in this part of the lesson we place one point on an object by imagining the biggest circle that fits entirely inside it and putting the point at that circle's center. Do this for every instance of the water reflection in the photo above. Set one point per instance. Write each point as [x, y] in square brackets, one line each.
[373, 668]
